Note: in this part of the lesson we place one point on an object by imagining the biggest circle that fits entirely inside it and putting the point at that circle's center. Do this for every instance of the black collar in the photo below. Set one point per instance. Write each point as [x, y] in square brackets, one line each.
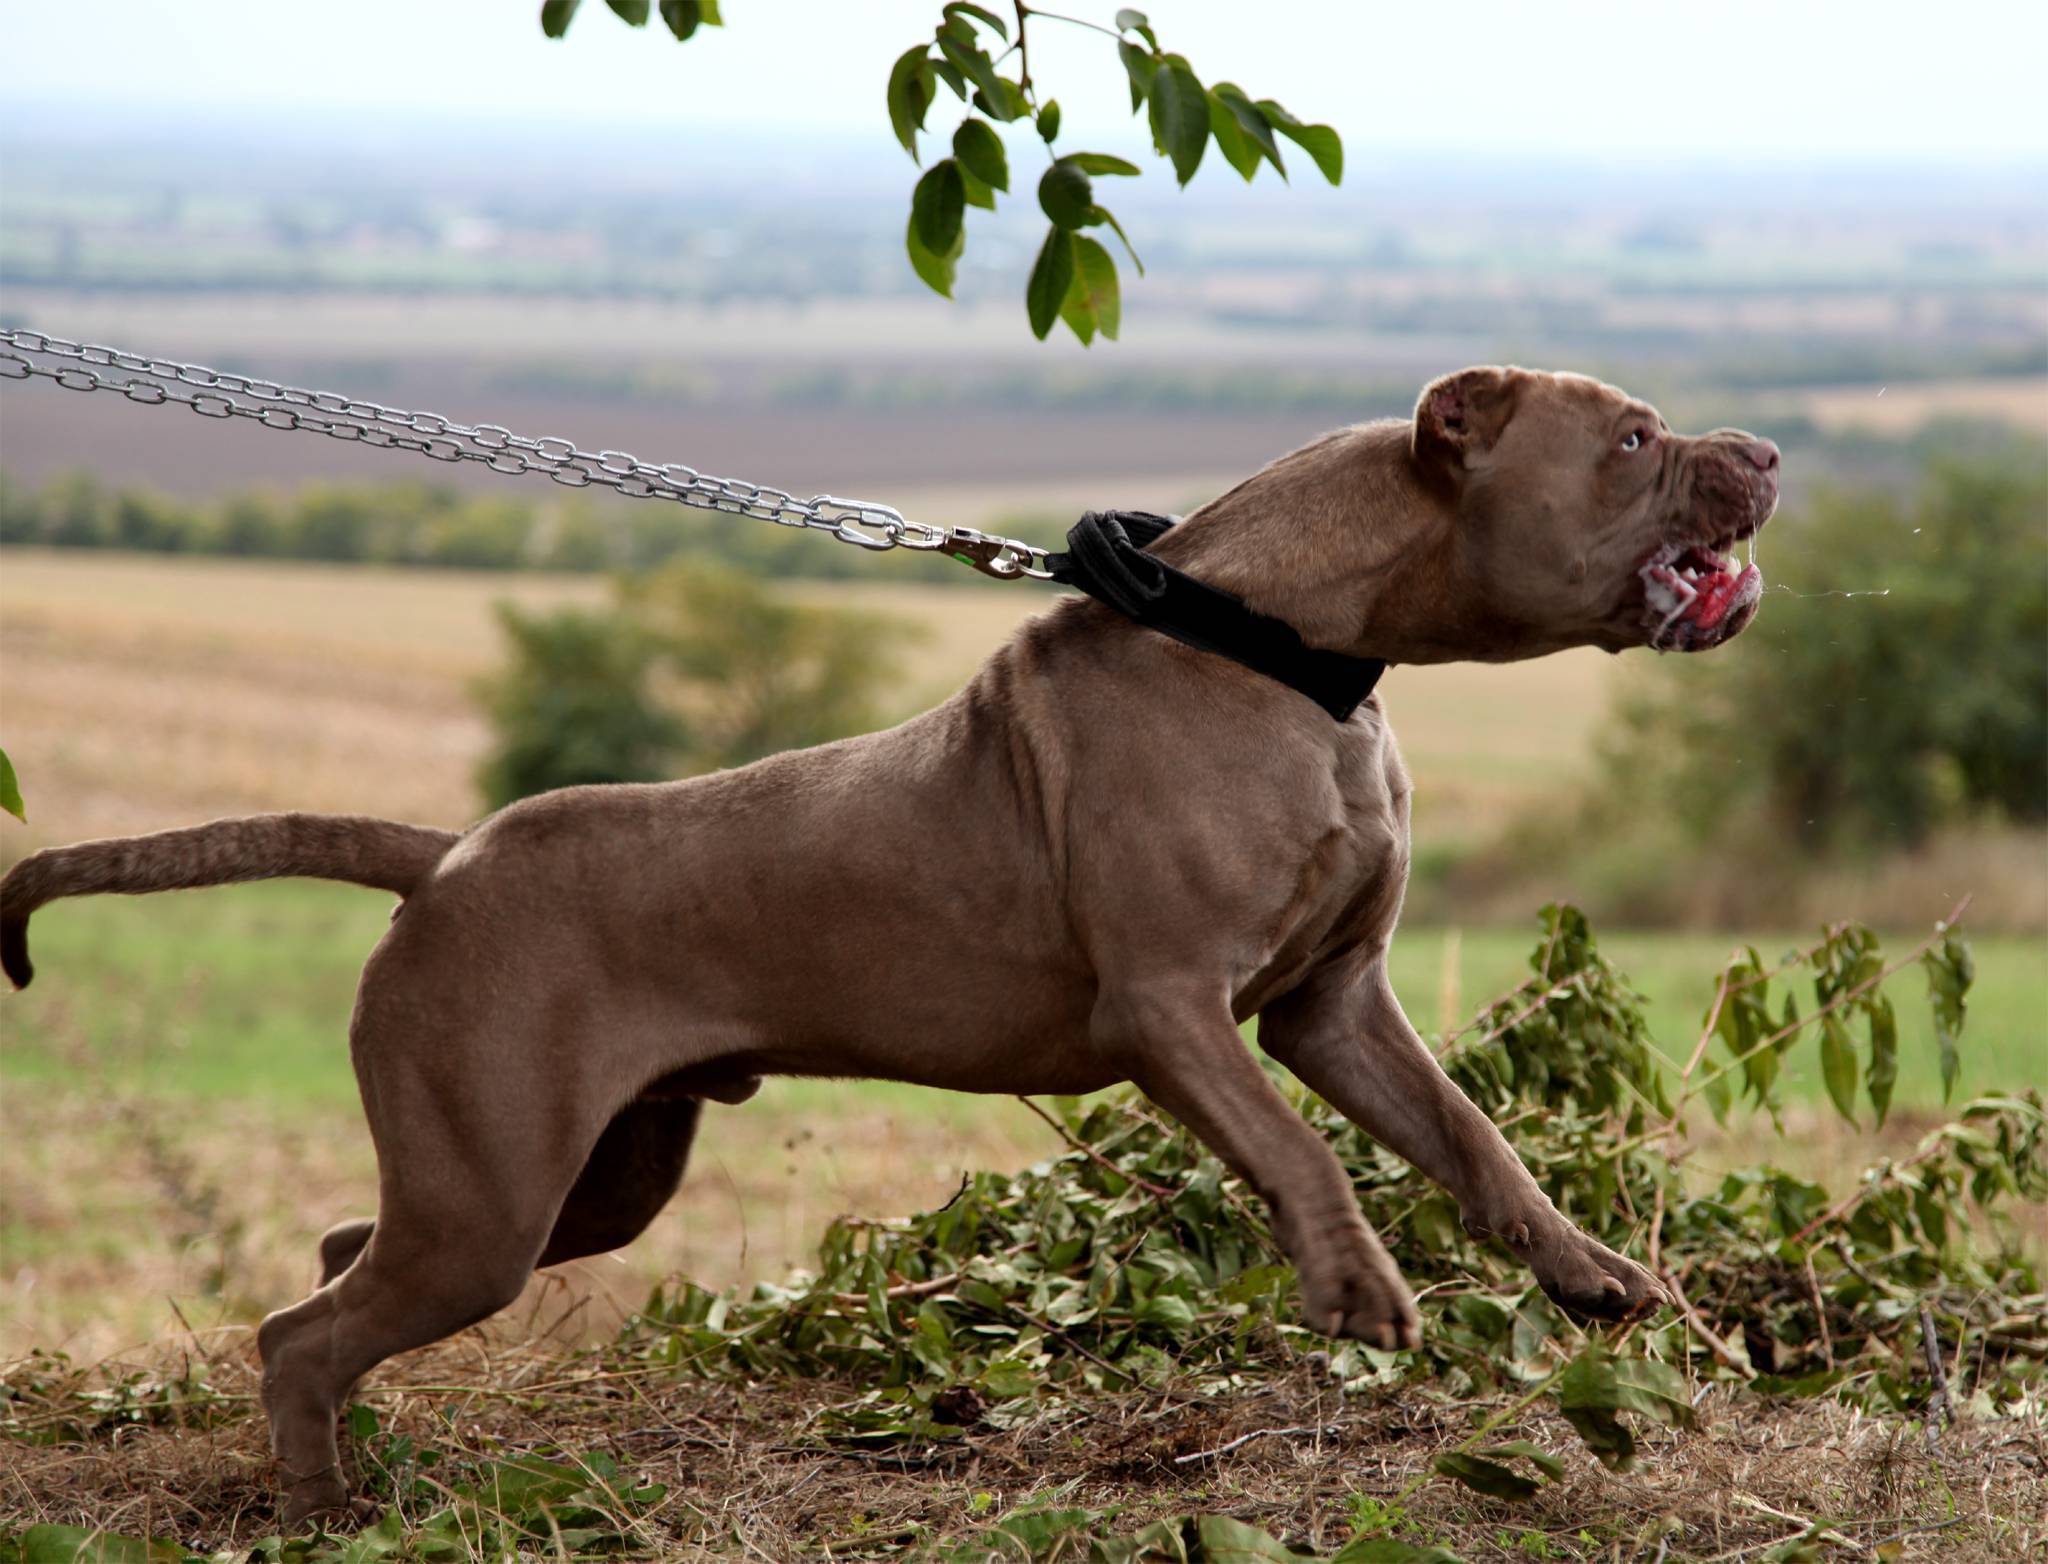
[1106, 558]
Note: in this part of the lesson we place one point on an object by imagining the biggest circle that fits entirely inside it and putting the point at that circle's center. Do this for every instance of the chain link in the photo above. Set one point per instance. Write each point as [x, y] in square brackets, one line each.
[215, 393]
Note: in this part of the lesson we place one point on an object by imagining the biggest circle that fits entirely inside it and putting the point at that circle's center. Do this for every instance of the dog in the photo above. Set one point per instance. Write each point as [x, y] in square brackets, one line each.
[1088, 867]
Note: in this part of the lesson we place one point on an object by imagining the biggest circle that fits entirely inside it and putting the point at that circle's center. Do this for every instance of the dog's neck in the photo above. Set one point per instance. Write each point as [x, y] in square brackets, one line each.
[1344, 541]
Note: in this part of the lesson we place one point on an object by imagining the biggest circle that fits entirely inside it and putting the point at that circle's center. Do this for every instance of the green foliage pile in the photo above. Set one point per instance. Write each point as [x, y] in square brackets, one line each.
[1902, 687]
[427, 524]
[1136, 1260]
[691, 669]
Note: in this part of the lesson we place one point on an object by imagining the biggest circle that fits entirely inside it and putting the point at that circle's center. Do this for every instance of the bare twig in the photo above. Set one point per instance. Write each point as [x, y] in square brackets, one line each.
[1157, 1191]
[1559, 991]
[1940, 1406]
[1656, 1240]
[923, 1289]
[1861, 1193]
[1820, 1311]
[1723, 1353]
[1699, 1049]
[1258, 1433]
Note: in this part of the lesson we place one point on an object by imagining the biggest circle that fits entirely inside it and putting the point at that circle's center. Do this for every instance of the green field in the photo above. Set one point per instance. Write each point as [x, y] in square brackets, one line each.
[244, 993]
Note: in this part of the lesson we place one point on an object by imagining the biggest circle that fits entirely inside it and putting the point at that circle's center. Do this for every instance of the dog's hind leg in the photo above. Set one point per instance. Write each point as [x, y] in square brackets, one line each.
[630, 1174]
[340, 1245]
[474, 1165]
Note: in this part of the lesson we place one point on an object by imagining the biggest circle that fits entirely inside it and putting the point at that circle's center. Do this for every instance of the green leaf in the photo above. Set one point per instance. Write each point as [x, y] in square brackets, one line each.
[1099, 163]
[1251, 120]
[973, 63]
[1950, 971]
[10, 790]
[1066, 195]
[1049, 120]
[1051, 275]
[1093, 302]
[1596, 1386]
[1237, 152]
[1102, 214]
[1535, 1455]
[1225, 1541]
[89, 1545]
[1318, 141]
[1008, 103]
[980, 151]
[684, 17]
[1488, 1477]
[910, 95]
[1180, 116]
[556, 15]
[1141, 67]
[1883, 1073]
[937, 206]
[935, 267]
[1129, 19]
[632, 12]
[987, 18]
[978, 192]
[1838, 1064]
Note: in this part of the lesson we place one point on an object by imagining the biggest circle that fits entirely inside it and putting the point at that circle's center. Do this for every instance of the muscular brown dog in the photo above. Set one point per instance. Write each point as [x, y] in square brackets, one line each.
[1089, 866]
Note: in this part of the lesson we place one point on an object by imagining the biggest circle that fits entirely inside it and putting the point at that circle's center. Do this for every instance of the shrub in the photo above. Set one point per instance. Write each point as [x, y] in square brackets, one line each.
[692, 668]
[573, 707]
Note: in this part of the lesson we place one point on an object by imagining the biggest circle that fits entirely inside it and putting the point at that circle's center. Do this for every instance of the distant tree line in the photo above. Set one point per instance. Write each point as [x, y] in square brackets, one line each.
[431, 525]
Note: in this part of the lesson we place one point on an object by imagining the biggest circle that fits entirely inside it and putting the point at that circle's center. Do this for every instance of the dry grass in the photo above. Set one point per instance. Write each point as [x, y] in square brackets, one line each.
[747, 1475]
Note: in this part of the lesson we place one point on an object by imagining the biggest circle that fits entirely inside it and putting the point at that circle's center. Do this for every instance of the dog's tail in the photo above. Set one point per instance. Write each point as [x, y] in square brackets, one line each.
[357, 848]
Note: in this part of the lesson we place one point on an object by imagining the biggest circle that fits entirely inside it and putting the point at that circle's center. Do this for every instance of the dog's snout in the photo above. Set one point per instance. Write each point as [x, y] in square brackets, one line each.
[1762, 455]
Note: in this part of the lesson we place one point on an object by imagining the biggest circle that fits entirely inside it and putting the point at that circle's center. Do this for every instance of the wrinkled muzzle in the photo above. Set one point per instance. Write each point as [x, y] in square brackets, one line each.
[1695, 594]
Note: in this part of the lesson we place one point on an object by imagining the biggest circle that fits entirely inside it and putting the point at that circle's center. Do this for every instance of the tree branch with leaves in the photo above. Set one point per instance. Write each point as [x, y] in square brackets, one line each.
[1074, 276]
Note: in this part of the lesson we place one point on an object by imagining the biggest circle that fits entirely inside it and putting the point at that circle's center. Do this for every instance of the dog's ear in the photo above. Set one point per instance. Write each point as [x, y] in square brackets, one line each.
[1461, 416]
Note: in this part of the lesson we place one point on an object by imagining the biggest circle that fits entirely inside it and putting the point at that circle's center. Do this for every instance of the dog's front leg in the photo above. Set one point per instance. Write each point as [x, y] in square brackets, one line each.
[1183, 1051]
[1348, 1040]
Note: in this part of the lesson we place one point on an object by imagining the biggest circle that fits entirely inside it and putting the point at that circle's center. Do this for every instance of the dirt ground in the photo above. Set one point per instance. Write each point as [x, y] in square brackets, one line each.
[748, 1476]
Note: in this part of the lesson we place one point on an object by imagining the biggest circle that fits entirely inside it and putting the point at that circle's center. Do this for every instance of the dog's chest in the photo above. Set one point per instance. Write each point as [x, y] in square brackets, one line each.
[1344, 878]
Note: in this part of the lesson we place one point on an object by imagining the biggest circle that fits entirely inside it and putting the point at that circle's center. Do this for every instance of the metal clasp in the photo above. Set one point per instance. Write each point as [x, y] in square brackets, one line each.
[998, 557]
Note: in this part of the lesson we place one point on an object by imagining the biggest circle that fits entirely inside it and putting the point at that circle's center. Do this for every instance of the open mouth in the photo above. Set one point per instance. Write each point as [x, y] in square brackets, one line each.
[1697, 596]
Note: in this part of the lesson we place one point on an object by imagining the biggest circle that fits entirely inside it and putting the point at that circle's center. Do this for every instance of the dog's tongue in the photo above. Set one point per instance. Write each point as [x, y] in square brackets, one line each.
[1718, 593]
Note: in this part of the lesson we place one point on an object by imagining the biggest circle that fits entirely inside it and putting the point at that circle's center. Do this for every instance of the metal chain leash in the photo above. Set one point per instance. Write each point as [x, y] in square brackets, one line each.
[214, 393]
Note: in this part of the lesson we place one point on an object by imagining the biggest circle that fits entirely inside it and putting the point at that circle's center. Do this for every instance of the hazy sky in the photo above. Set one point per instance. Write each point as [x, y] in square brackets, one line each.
[1707, 79]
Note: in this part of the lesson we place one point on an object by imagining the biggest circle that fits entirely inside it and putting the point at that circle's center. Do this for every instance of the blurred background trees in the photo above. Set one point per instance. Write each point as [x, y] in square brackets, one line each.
[691, 668]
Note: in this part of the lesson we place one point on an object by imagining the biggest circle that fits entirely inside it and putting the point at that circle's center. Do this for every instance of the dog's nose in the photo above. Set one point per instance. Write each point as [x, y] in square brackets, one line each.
[1762, 454]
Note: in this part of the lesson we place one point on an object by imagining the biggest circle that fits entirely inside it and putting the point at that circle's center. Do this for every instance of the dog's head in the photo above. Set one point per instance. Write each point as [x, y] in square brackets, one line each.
[1582, 519]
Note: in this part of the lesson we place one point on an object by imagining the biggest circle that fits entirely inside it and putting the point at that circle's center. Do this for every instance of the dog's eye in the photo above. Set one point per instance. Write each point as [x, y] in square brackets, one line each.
[1633, 440]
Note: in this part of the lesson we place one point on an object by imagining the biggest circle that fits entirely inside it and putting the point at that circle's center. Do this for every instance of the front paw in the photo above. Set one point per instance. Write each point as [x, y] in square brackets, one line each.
[1588, 1280]
[1355, 1291]
[325, 1500]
